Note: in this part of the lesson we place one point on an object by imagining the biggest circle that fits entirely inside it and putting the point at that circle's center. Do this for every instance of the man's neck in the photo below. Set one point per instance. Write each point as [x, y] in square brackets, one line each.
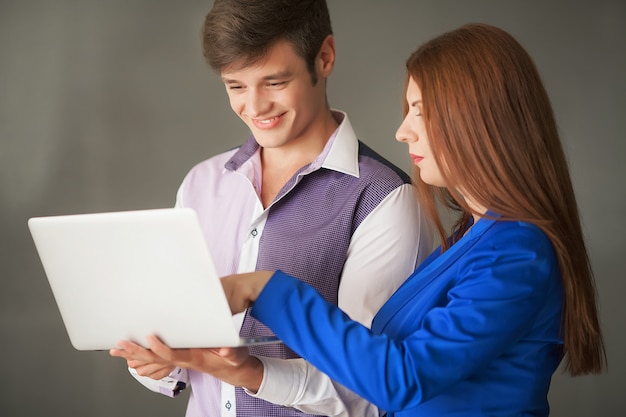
[280, 164]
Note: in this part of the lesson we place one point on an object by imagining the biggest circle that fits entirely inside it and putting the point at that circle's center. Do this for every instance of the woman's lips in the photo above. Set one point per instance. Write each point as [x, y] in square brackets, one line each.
[416, 159]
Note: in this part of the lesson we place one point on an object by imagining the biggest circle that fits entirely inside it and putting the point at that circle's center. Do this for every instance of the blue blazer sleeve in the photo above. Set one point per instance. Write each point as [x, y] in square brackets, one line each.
[500, 290]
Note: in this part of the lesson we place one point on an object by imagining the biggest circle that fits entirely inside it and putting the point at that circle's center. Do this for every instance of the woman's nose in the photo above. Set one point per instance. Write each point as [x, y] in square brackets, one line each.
[403, 134]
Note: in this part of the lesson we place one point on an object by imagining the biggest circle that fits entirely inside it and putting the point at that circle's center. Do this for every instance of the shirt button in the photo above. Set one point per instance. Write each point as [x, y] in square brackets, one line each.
[254, 232]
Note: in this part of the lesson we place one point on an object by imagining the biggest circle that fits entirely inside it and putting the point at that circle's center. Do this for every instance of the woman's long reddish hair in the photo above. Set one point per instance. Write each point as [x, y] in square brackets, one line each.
[489, 118]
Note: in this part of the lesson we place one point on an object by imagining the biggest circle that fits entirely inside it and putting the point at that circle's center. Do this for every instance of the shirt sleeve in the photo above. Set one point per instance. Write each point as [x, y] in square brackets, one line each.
[179, 195]
[383, 251]
[171, 385]
[299, 385]
[490, 306]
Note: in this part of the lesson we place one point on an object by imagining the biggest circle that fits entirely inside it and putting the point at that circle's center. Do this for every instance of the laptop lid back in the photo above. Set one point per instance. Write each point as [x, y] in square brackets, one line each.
[125, 275]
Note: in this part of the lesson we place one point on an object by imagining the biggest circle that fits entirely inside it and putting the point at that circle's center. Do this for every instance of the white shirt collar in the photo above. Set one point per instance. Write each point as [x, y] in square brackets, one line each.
[341, 152]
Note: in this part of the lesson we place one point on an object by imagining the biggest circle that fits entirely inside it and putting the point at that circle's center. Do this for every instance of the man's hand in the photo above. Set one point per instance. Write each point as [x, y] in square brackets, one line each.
[232, 365]
[143, 360]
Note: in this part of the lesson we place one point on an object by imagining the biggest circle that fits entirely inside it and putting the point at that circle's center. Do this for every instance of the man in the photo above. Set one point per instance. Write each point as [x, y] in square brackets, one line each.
[302, 195]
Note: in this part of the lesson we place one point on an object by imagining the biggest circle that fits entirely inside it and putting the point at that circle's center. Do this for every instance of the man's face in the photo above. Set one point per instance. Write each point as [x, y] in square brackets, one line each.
[276, 97]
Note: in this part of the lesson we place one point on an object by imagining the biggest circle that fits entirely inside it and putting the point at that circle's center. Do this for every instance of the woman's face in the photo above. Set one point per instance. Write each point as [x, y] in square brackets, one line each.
[412, 131]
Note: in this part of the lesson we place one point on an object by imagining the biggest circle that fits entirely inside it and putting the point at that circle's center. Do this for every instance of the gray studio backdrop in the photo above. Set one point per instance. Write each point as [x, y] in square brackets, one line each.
[105, 105]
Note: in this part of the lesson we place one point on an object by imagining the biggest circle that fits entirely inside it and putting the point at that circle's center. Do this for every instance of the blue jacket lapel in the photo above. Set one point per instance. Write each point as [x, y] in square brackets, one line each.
[428, 271]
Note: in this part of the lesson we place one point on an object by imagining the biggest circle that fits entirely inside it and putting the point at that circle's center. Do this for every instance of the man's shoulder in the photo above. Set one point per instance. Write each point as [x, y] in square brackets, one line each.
[215, 162]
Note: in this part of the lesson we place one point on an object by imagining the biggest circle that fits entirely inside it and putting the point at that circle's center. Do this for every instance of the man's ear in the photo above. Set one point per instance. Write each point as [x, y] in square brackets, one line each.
[325, 61]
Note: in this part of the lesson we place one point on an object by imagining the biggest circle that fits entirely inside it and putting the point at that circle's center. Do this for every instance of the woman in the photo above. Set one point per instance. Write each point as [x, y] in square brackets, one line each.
[480, 327]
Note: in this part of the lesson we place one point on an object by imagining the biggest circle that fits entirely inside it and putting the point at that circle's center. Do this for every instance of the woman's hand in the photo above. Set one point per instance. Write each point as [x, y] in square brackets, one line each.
[242, 290]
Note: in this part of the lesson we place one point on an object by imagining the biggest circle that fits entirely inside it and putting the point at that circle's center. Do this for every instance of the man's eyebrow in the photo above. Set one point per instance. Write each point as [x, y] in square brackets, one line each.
[276, 76]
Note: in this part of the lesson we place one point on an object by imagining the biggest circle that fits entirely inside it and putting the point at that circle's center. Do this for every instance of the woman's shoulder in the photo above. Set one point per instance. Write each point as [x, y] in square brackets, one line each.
[513, 231]
[507, 236]
[512, 252]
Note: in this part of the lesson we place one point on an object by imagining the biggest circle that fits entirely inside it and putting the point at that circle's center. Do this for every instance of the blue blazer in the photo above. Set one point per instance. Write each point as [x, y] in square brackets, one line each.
[474, 331]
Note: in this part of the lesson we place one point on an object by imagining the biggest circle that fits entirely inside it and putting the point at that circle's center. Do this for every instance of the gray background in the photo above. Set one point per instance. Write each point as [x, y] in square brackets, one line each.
[105, 105]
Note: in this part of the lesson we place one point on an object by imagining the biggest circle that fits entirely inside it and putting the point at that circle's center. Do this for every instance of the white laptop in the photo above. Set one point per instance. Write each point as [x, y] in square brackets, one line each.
[129, 274]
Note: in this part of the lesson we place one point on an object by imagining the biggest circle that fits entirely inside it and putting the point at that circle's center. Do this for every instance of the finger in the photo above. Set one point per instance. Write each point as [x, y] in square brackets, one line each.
[135, 364]
[132, 351]
[234, 356]
[119, 353]
[122, 350]
[129, 349]
[227, 352]
[129, 346]
[159, 348]
[176, 357]
[154, 371]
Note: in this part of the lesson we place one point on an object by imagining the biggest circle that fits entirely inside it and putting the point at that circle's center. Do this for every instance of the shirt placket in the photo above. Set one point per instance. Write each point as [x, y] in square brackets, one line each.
[247, 263]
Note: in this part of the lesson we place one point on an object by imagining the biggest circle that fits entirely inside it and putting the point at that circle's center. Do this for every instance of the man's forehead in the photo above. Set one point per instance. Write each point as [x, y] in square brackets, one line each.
[263, 72]
[279, 58]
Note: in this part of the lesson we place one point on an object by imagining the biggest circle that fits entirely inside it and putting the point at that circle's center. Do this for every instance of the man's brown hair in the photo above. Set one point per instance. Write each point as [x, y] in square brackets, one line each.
[238, 33]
